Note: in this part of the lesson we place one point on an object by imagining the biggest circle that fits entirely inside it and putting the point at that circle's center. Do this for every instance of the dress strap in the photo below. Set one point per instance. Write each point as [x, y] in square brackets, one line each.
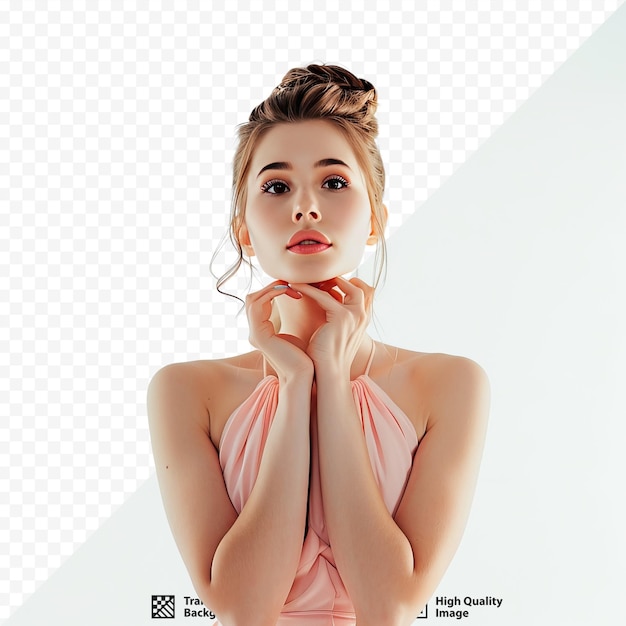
[369, 361]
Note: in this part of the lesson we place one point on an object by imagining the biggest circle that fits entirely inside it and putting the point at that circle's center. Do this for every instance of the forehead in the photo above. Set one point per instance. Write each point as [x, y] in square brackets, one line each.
[302, 144]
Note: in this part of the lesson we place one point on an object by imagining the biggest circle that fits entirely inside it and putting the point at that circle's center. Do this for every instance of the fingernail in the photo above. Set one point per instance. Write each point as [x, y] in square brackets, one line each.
[280, 287]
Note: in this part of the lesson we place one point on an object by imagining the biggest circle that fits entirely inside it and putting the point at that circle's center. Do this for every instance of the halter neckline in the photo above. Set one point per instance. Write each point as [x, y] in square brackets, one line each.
[367, 366]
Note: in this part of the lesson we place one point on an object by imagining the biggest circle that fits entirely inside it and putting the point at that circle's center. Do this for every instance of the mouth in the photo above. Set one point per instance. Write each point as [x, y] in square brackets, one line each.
[308, 246]
[308, 242]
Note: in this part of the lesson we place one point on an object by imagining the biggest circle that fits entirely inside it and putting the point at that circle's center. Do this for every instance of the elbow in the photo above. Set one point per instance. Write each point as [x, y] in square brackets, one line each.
[389, 614]
[393, 610]
[241, 618]
[388, 618]
[237, 603]
[236, 610]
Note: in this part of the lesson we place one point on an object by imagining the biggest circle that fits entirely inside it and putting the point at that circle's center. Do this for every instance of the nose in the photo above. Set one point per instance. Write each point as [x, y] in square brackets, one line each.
[306, 209]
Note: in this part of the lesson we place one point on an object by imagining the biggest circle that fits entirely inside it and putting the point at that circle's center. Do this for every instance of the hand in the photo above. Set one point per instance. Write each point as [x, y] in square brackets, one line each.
[348, 310]
[287, 359]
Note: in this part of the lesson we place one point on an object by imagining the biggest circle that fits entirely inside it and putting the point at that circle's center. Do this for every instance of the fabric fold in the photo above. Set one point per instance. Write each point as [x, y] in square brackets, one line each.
[318, 596]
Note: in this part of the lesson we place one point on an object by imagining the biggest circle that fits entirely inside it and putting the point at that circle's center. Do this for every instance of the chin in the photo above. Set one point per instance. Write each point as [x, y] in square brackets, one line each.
[308, 278]
[310, 275]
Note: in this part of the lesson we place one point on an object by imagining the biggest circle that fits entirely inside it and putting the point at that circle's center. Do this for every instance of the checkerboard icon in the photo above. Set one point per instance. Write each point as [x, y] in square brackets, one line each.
[163, 607]
[424, 613]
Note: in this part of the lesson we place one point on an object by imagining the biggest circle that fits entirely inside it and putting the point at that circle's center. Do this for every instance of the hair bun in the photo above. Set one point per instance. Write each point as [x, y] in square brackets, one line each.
[324, 74]
[342, 93]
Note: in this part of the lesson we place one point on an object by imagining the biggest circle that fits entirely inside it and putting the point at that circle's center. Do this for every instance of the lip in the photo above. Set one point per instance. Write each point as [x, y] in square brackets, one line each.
[315, 235]
[309, 248]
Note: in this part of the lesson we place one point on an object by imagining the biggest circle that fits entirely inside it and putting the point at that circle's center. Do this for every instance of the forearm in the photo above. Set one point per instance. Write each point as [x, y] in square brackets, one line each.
[255, 563]
[374, 557]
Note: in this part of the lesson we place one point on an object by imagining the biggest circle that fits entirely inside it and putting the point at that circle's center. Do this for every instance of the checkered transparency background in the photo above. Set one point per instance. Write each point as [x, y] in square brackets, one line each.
[117, 128]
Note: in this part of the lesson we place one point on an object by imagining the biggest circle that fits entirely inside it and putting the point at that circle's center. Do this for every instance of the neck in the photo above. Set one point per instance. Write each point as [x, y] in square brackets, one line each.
[299, 318]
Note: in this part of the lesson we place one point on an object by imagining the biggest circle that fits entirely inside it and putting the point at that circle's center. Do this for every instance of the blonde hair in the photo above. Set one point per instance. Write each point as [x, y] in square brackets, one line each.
[314, 92]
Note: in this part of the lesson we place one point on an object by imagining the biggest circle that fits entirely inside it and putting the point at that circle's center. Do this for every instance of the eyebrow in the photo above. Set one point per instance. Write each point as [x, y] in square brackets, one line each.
[283, 165]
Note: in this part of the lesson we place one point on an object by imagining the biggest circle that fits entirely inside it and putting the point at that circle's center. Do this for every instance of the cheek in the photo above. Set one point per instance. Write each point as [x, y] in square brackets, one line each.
[359, 219]
[256, 225]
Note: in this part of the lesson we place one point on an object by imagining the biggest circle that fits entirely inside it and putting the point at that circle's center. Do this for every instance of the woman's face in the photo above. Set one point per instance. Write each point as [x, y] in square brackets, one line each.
[304, 183]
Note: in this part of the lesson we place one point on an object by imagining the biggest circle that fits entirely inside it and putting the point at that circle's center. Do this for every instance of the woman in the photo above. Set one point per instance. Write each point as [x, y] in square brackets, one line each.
[291, 475]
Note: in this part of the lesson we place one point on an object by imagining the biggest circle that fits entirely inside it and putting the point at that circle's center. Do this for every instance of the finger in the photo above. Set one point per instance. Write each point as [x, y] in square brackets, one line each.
[354, 292]
[321, 296]
[269, 292]
[282, 286]
[336, 294]
[330, 287]
[259, 303]
[367, 289]
[361, 284]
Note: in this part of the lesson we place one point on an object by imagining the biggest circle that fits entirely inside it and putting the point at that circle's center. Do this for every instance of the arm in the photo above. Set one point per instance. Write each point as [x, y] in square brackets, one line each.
[241, 566]
[392, 566]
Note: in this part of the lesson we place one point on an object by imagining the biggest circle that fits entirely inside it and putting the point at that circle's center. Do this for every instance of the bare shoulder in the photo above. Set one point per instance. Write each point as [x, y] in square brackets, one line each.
[191, 377]
[456, 388]
[213, 386]
[431, 385]
[446, 369]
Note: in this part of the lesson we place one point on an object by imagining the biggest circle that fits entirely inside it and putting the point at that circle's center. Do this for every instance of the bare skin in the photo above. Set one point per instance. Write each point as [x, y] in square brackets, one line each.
[243, 565]
[446, 399]
[391, 370]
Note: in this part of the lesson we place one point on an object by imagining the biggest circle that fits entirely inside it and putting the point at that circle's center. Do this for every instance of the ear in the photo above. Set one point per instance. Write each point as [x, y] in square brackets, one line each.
[244, 240]
[374, 236]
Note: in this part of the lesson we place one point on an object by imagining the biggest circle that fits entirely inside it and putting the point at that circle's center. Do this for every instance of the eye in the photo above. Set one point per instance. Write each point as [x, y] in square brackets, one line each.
[337, 179]
[265, 188]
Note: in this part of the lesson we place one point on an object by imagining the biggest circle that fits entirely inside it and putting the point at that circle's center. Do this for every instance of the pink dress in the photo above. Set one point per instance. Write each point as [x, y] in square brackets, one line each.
[318, 596]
